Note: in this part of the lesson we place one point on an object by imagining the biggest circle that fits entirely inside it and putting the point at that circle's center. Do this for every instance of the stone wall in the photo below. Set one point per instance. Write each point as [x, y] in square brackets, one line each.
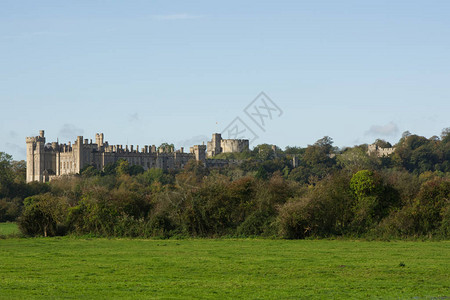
[234, 146]
[218, 145]
[45, 161]
[378, 151]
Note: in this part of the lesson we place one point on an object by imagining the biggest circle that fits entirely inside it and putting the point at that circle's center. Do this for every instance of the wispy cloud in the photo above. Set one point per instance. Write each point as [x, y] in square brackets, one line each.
[69, 131]
[134, 117]
[389, 129]
[12, 134]
[195, 140]
[18, 151]
[171, 17]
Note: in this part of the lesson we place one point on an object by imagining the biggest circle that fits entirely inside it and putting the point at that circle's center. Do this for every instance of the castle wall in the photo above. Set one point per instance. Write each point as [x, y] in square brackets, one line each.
[199, 151]
[220, 163]
[218, 145]
[45, 162]
[234, 146]
[214, 146]
[380, 152]
[30, 159]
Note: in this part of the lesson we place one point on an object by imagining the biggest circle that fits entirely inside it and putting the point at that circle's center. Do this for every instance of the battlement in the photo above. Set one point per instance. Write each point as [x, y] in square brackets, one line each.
[218, 145]
[45, 161]
[378, 151]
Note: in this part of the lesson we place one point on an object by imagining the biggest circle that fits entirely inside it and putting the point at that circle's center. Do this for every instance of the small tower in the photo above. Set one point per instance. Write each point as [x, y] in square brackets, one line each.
[78, 148]
[214, 146]
[35, 157]
[199, 152]
[99, 139]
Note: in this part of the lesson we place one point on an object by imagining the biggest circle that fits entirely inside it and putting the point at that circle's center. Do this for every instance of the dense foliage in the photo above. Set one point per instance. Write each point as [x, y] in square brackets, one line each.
[331, 192]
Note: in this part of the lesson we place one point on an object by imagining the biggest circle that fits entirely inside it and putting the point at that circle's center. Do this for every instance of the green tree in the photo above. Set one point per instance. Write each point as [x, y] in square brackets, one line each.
[382, 143]
[166, 147]
[263, 152]
[6, 174]
[354, 159]
[43, 215]
[372, 199]
[363, 184]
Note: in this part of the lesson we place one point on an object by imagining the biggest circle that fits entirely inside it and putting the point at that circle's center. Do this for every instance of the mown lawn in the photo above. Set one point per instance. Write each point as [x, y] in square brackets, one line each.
[222, 268]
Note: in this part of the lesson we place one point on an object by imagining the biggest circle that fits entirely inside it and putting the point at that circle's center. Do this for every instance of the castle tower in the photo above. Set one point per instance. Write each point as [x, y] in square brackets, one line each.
[30, 158]
[214, 146]
[99, 139]
[35, 157]
[199, 152]
[78, 152]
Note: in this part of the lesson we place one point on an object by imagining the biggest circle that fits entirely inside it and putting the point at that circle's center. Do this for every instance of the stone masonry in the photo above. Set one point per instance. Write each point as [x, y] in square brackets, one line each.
[46, 161]
[378, 151]
[218, 145]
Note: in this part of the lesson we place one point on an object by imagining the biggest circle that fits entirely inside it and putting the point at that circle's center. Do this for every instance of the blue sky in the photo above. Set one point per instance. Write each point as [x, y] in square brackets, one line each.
[147, 72]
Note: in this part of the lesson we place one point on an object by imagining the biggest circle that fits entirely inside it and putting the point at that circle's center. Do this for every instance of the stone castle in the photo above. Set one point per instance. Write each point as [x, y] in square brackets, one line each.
[378, 151]
[218, 145]
[46, 161]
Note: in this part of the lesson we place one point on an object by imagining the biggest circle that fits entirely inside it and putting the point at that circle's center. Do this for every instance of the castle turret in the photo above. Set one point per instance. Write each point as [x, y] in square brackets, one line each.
[99, 139]
[78, 152]
[35, 157]
[214, 147]
[199, 152]
[30, 158]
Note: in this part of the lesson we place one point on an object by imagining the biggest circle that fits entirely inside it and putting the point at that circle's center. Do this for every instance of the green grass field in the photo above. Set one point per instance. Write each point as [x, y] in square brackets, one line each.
[8, 229]
[222, 268]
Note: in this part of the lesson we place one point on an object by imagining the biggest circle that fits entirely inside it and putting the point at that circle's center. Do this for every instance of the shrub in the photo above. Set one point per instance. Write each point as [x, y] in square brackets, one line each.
[44, 215]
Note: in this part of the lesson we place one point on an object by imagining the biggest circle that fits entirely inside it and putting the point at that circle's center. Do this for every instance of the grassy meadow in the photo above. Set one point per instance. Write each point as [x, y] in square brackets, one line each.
[8, 228]
[223, 268]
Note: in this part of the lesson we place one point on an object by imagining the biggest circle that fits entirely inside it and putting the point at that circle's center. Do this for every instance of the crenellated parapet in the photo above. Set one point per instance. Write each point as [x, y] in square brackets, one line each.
[218, 145]
[379, 151]
[47, 161]
[50, 160]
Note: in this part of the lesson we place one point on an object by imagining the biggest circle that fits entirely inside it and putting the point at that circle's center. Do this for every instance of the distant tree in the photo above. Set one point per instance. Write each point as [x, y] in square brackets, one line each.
[110, 169]
[326, 143]
[6, 174]
[19, 169]
[319, 158]
[294, 150]
[166, 147]
[406, 134]
[135, 170]
[264, 152]
[89, 171]
[152, 175]
[354, 159]
[382, 143]
[418, 154]
[123, 167]
[445, 133]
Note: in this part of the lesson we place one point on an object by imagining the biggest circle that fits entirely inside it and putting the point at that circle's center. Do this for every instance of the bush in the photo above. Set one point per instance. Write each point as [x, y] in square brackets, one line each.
[429, 213]
[44, 215]
[325, 210]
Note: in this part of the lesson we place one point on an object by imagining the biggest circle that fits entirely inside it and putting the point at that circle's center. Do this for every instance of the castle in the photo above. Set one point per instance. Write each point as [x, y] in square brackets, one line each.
[46, 161]
[378, 151]
[218, 145]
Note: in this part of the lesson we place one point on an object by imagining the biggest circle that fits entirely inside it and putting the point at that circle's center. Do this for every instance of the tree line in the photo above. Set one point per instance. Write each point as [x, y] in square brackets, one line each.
[331, 192]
